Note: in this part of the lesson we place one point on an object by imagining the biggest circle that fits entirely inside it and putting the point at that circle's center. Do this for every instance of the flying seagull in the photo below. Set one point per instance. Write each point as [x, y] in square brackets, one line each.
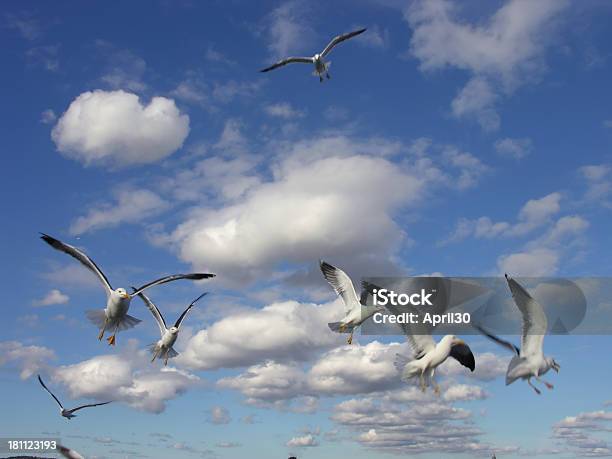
[529, 361]
[321, 67]
[69, 453]
[163, 348]
[115, 315]
[427, 355]
[68, 414]
[355, 309]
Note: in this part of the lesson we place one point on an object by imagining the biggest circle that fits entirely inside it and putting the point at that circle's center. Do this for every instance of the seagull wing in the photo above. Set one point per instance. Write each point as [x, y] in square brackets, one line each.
[88, 406]
[179, 321]
[157, 315]
[80, 256]
[289, 60]
[69, 453]
[463, 354]
[342, 285]
[535, 323]
[340, 39]
[52, 395]
[507, 344]
[173, 277]
[418, 335]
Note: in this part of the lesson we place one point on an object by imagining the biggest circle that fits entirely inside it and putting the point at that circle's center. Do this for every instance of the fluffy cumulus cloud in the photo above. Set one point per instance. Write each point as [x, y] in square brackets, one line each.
[317, 203]
[302, 441]
[127, 378]
[280, 331]
[499, 53]
[407, 426]
[130, 206]
[355, 370]
[584, 434]
[115, 128]
[534, 214]
[53, 297]
[29, 360]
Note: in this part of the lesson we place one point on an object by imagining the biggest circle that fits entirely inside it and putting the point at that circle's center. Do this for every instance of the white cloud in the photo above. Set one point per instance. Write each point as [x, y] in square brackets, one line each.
[127, 377]
[355, 370]
[477, 100]
[499, 53]
[410, 427]
[320, 200]
[268, 383]
[48, 116]
[514, 148]
[533, 214]
[219, 415]
[285, 331]
[53, 297]
[533, 263]
[599, 185]
[302, 441]
[288, 29]
[283, 110]
[114, 128]
[579, 433]
[464, 392]
[29, 359]
[130, 206]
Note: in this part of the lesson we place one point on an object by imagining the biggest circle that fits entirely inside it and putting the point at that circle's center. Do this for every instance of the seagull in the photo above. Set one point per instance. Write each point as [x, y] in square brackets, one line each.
[321, 67]
[355, 309]
[427, 355]
[69, 453]
[115, 315]
[68, 414]
[163, 347]
[529, 361]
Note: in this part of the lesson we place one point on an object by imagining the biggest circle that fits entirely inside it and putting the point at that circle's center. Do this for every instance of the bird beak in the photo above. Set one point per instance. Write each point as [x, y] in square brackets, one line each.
[126, 295]
[460, 341]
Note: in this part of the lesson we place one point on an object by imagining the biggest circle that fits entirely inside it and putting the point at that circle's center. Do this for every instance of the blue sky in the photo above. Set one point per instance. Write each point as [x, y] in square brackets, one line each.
[464, 139]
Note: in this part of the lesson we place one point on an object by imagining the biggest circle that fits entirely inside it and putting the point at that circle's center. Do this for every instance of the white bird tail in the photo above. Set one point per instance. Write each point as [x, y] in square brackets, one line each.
[98, 317]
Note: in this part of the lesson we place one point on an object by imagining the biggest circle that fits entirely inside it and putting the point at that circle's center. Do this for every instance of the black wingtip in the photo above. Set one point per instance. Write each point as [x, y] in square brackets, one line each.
[506, 276]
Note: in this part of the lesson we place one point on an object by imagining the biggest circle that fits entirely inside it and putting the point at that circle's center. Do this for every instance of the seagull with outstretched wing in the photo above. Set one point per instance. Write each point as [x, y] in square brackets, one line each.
[68, 414]
[321, 67]
[355, 309]
[427, 355]
[163, 348]
[115, 316]
[529, 360]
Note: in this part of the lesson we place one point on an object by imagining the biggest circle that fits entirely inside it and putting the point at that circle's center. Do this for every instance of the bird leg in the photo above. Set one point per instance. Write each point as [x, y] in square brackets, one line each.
[101, 335]
[435, 384]
[537, 391]
[327, 75]
[350, 338]
[422, 382]
[546, 383]
[166, 359]
[111, 339]
[320, 79]
[155, 355]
